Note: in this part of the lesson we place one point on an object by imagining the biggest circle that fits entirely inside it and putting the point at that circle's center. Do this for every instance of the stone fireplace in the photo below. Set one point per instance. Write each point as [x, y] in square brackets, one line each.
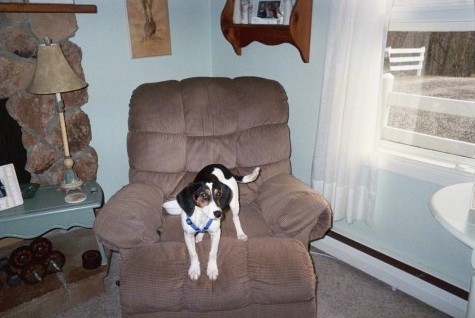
[20, 34]
[12, 150]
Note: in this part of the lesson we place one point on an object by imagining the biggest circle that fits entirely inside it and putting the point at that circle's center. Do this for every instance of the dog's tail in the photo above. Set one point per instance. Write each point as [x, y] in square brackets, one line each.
[248, 178]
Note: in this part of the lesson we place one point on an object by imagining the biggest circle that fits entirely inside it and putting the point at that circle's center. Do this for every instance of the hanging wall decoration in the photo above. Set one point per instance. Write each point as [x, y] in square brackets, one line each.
[149, 27]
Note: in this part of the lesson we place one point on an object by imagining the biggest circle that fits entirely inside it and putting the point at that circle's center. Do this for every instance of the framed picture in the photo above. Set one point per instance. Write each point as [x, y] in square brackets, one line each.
[267, 12]
[149, 27]
[10, 193]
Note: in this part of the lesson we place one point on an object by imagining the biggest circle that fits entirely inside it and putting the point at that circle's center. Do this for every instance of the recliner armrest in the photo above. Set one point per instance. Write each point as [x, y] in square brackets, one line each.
[131, 217]
[292, 208]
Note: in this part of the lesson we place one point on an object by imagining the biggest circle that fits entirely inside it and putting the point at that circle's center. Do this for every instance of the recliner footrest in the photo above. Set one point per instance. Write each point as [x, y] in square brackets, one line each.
[263, 270]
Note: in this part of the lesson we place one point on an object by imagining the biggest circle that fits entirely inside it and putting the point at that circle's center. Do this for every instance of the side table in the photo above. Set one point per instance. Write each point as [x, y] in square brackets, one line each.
[451, 207]
[47, 210]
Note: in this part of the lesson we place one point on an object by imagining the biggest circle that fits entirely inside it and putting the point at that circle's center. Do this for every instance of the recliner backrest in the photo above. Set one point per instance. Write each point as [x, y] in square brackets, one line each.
[178, 127]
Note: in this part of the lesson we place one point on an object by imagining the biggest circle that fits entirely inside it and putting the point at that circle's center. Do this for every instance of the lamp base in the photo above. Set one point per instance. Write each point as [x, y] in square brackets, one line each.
[75, 197]
[72, 182]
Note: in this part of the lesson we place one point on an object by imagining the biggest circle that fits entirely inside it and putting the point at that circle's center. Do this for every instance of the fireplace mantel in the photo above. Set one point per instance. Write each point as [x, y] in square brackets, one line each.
[48, 8]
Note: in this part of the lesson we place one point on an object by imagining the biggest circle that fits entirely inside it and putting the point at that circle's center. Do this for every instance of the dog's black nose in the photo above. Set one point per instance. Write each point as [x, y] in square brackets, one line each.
[217, 214]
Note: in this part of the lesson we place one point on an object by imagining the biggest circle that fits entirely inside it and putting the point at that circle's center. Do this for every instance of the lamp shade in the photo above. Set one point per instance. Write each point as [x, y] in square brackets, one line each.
[53, 73]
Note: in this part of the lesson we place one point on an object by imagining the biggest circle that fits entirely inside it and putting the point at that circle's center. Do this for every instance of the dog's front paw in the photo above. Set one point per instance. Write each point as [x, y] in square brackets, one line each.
[242, 237]
[194, 272]
[212, 271]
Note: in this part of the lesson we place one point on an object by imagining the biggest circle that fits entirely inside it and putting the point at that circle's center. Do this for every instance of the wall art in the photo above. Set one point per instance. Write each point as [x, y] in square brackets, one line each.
[149, 27]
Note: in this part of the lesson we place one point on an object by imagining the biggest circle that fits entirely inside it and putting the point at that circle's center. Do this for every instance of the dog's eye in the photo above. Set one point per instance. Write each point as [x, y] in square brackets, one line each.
[204, 196]
[218, 194]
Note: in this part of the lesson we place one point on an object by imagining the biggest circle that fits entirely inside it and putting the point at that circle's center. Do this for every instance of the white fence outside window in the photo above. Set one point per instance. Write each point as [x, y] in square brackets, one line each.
[434, 123]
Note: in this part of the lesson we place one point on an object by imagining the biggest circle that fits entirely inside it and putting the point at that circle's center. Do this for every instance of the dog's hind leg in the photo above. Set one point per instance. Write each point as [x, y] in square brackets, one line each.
[234, 206]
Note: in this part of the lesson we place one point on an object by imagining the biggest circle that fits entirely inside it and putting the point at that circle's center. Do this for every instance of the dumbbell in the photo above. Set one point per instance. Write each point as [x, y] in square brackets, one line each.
[21, 257]
[91, 259]
[55, 262]
[32, 260]
[34, 272]
[41, 247]
[13, 277]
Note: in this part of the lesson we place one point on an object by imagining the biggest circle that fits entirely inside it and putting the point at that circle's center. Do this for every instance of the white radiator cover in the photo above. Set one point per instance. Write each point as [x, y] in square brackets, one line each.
[396, 278]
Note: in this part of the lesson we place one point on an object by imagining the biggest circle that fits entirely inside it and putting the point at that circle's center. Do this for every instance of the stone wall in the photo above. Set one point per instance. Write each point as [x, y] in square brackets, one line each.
[20, 34]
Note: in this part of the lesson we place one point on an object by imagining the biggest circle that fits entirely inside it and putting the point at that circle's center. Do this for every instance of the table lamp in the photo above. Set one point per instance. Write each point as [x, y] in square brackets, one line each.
[54, 75]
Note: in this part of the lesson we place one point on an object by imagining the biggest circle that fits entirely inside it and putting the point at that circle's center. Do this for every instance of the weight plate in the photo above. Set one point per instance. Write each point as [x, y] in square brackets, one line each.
[56, 261]
[41, 247]
[21, 257]
[34, 272]
[91, 259]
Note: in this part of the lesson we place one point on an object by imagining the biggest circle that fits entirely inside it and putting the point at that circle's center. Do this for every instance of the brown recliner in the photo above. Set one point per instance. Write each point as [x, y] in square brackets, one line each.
[175, 129]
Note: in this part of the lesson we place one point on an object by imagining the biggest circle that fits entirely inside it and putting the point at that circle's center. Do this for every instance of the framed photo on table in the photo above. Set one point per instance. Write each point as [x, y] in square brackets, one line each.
[10, 193]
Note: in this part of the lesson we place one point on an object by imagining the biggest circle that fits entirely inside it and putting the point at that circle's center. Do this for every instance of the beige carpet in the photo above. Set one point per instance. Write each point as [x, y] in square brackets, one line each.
[342, 292]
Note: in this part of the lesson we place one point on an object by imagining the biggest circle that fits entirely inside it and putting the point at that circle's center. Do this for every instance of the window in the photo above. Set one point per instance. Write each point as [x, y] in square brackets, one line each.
[429, 80]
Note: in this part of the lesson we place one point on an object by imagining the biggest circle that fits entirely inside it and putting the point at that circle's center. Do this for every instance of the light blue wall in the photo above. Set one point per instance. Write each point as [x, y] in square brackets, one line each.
[112, 74]
[403, 226]
[302, 81]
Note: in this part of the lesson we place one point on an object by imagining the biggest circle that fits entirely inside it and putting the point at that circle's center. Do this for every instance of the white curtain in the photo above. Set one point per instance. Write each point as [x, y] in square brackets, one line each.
[344, 167]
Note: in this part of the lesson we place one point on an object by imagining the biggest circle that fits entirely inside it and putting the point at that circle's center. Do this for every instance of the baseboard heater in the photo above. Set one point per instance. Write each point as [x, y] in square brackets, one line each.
[454, 290]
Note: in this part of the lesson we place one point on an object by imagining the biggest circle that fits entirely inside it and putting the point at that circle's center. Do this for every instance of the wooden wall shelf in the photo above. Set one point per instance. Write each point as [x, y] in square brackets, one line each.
[47, 8]
[297, 33]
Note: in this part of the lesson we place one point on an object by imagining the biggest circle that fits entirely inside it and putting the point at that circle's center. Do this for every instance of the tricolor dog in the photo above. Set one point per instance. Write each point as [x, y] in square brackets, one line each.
[203, 201]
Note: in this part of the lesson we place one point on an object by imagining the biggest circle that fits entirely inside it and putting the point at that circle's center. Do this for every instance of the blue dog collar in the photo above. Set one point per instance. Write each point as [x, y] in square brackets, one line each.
[197, 229]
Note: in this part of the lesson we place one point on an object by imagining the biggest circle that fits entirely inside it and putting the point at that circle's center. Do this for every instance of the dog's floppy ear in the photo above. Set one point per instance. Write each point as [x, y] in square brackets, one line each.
[226, 196]
[186, 198]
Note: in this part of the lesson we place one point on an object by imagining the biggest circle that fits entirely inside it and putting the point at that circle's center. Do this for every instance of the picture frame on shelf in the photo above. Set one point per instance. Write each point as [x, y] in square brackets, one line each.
[295, 31]
[268, 12]
[10, 193]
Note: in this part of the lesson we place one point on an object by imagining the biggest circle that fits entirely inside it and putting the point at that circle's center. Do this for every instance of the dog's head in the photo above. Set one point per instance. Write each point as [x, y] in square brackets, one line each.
[210, 197]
